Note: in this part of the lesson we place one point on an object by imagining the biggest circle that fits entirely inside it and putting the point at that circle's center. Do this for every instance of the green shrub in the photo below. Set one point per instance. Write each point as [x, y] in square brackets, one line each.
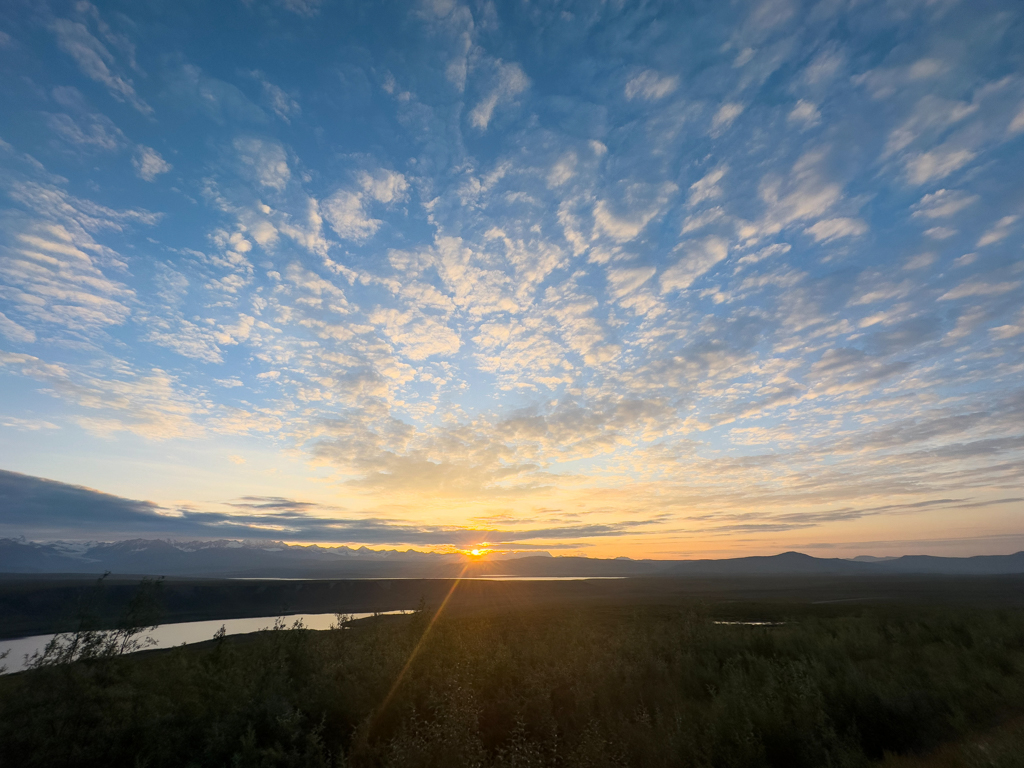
[612, 687]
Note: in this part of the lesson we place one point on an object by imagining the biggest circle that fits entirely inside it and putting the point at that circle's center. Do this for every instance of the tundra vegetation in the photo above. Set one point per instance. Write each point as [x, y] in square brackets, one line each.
[586, 687]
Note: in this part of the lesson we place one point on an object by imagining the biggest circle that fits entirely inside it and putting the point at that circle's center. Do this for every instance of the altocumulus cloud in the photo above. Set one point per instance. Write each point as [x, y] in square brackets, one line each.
[752, 277]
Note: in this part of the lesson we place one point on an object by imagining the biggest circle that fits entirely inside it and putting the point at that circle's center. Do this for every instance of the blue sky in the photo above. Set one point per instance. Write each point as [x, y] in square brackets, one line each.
[656, 279]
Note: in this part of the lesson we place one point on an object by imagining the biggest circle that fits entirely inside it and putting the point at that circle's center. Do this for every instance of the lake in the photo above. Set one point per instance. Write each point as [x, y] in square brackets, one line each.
[184, 633]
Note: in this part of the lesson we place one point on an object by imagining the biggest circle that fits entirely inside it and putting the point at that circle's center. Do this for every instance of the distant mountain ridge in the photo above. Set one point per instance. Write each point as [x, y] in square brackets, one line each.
[271, 559]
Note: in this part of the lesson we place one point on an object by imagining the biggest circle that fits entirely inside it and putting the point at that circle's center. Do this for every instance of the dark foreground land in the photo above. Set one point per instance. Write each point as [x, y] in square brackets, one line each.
[33, 604]
[537, 674]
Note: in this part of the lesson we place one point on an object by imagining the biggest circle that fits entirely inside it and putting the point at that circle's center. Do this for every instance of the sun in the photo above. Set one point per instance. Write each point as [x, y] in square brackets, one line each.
[479, 551]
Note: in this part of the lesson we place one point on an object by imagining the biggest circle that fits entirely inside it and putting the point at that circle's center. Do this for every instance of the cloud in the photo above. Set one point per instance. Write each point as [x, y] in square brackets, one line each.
[96, 62]
[920, 261]
[978, 288]
[885, 82]
[510, 81]
[52, 279]
[48, 508]
[344, 210]
[148, 163]
[15, 332]
[805, 113]
[34, 503]
[725, 116]
[700, 257]
[264, 161]
[1017, 124]
[938, 163]
[997, 232]
[943, 203]
[626, 218]
[448, 305]
[149, 404]
[563, 170]
[707, 187]
[384, 186]
[418, 335]
[625, 281]
[220, 101]
[829, 229]
[283, 105]
[91, 132]
[307, 8]
[804, 194]
[651, 86]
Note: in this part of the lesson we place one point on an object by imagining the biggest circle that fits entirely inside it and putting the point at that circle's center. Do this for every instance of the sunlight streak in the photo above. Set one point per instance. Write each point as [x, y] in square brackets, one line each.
[419, 645]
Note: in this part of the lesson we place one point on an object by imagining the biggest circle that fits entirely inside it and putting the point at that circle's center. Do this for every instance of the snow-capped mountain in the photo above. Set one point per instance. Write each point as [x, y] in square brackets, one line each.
[275, 559]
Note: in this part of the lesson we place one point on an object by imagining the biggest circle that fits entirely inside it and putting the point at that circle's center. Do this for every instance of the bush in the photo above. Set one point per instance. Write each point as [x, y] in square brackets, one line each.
[601, 688]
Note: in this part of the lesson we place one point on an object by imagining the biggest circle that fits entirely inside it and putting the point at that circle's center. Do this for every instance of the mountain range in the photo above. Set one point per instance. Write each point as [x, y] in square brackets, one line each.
[237, 559]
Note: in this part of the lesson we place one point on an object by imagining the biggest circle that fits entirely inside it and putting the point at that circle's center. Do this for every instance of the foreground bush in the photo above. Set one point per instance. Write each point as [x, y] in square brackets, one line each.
[610, 688]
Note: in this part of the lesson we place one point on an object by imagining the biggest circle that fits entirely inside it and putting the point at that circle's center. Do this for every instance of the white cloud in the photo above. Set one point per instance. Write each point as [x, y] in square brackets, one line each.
[1017, 124]
[345, 213]
[724, 117]
[186, 338]
[384, 186]
[824, 68]
[978, 288]
[929, 118]
[15, 332]
[804, 194]
[625, 281]
[700, 257]
[91, 132]
[806, 113]
[150, 403]
[277, 98]
[936, 164]
[1010, 330]
[920, 261]
[56, 273]
[228, 335]
[265, 162]
[707, 187]
[95, 61]
[563, 170]
[346, 210]
[884, 82]
[148, 163]
[943, 203]
[640, 203]
[307, 8]
[772, 250]
[511, 81]
[650, 85]
[997, 232]
[830, 229]
[417, 335]
[702, 219]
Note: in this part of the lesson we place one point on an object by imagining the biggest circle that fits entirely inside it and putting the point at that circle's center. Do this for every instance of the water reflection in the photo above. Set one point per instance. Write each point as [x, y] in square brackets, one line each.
[184, 633]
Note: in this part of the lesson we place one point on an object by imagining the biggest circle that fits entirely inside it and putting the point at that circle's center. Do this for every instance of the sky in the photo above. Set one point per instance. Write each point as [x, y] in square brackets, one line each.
[646, 279]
